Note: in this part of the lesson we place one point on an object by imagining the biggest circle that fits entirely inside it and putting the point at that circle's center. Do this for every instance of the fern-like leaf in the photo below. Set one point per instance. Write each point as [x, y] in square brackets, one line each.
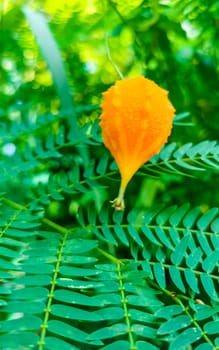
[65, 281]
[185, 159]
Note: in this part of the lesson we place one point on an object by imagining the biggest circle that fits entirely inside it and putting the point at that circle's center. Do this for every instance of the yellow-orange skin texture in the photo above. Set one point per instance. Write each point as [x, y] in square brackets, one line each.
[136, 121]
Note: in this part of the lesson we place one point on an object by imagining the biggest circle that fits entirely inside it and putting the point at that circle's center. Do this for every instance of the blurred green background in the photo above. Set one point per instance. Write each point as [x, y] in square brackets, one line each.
[173, 42]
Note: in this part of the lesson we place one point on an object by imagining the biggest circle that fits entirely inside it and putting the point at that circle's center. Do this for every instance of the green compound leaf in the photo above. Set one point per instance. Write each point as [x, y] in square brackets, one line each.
[180, 250]
[191, 280]
[120, 233]
[12, 340]
[30, 293]
[70, 332]
[144, 331]
[159, 274]
[211, 327]
[169, 311]
[142, 345]
[188, 337]
[211, 261]
[205, 312]
[194, 258]
[111, 313]
[185, 159]
[142, 316]
[208, 286]
[73, 313]
[207, 218]
[35, 307]
[84, 284]
[120, 344]
[54, 343]
[21, 324]
[204, 346]
[175, 324]
[176, 277]
[109, 332]
[134, 234]
[33, 280]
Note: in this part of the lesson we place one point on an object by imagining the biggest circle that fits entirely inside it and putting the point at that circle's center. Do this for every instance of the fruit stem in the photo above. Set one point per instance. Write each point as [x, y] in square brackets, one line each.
[118, 203]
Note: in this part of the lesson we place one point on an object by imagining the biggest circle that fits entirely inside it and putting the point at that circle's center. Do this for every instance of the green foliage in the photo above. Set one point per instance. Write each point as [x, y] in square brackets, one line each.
[74, 273]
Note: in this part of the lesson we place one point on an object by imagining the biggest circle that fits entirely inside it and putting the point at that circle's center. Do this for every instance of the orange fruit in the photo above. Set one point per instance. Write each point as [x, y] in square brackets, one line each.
[136, 121]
